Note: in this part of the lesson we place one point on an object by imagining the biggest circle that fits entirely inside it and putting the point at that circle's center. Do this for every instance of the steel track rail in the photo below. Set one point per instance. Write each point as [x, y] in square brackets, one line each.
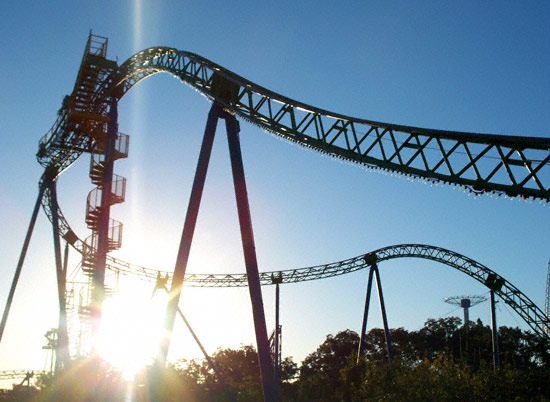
[482, 163]
[357, 140]
[508, 165]
[510, 294]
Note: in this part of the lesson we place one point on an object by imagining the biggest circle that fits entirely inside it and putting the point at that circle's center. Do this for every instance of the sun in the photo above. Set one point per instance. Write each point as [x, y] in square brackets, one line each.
[130, 329]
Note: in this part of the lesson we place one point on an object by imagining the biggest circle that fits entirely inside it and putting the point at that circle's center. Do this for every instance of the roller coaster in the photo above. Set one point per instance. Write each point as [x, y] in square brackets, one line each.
[501, 165]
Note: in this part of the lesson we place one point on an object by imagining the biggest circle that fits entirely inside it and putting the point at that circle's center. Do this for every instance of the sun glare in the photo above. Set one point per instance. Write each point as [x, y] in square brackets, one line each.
[130, 330]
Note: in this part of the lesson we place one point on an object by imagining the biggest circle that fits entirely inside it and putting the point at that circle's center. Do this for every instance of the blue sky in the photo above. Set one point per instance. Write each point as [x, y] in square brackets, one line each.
[467, 66]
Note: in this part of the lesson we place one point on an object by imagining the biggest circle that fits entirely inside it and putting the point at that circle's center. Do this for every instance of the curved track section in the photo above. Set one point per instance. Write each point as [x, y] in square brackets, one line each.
[510, 294]
[514, 166]
[482, 163]
[497, 164]
[509, 165]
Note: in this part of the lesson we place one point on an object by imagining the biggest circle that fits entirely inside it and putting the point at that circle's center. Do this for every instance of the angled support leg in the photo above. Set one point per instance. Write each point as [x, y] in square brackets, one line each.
[207, 357]
[494, 331]
[362, 345]
[62, 348]
[266, 368]
[44, 183]
[383, 311]
[247, 236]
[188, 230]
[277, 335]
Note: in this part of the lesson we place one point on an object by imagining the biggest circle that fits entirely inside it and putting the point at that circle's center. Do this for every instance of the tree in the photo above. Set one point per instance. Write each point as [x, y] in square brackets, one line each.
[240, 370]
[320, 371]
[438, 336]
[331, 355]
[522, 349]
[404, 345]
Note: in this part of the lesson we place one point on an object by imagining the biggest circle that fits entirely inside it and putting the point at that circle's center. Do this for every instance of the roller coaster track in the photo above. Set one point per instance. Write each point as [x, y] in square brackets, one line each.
[509, 165]
[481, 163]
[511, 295]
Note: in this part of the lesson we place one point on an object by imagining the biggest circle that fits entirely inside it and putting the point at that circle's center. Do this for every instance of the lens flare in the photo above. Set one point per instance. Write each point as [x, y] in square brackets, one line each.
[130, 330]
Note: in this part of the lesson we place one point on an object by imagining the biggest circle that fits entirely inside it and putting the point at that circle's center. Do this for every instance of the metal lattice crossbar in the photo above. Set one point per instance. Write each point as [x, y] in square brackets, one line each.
[482, 163]
[511, 295]
[510, 165]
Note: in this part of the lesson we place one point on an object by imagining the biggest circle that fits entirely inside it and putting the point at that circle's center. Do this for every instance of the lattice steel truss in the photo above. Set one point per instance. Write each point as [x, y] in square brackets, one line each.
[511, 295]
[510, 165]
[481, 163]
[514, 166]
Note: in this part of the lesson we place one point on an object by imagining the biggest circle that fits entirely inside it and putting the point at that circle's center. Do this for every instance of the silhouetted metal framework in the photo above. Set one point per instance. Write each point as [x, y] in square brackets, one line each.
[510, 165]
[493, 163]
[496, 164]
[480, 163]
[511, 295]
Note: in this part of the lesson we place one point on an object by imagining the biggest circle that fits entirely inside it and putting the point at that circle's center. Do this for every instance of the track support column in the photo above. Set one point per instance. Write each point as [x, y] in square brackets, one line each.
[362, 345]
[494, 330]
[383, 311]
[232, 126]
[277, 280]
[46, 178]
[374, 271]
[62, 348]
[98, 290]
[188, 231]
[249, 249]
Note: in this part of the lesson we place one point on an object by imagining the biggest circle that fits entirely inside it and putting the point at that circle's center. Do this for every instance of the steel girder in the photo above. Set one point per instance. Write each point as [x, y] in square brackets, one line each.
[509, 165]
[464, 155]
[511, 295]
[505, 165]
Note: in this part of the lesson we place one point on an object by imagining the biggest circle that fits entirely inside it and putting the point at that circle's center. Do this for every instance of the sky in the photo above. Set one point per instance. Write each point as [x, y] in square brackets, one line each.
[467, 66]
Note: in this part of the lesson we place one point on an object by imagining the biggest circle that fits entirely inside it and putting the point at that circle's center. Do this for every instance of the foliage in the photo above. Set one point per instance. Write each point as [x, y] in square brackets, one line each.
[239, 369]
[442, 361]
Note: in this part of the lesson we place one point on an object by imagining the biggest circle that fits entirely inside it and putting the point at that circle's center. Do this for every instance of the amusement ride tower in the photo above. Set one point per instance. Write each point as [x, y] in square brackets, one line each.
[465, 302]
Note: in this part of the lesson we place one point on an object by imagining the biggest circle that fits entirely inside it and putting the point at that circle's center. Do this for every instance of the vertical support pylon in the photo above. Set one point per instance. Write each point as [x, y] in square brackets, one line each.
[251, 263]
[43, 184]
[277, 280]
[266, 368]
[362, 345]
[188, 231]
[383, 311]
[494, 331]
[98, 289]
[62, 347]
[374, 271]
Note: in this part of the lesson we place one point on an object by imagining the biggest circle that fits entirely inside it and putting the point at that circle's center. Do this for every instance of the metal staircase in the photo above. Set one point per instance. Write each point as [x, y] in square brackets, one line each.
[82, 106]
[84, 121]
[93, 212]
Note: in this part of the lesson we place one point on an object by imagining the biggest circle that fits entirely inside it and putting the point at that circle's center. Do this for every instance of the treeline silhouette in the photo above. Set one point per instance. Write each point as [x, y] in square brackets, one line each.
[442, 361]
